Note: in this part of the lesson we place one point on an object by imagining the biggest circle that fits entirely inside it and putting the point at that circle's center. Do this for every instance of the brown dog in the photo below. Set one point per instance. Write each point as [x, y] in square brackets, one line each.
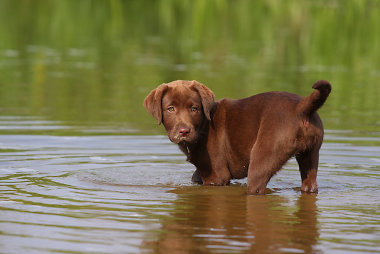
[251, 137]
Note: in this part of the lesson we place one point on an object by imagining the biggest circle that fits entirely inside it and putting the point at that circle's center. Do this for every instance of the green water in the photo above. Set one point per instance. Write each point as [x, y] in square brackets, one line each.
[93, 62]
[84, 169]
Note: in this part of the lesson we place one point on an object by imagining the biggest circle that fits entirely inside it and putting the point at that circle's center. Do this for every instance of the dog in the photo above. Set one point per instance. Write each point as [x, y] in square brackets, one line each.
[251, 137]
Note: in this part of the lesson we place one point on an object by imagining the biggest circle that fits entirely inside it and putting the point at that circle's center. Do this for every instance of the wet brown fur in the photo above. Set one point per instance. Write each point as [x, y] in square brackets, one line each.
[231, 139]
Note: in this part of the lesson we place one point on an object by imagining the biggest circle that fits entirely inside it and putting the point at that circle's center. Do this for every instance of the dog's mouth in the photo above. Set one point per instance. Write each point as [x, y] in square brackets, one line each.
[189, 139]
[182, 140]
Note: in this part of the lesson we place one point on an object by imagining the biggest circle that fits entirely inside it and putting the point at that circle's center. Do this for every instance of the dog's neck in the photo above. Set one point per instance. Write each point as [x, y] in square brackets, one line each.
[185, 148]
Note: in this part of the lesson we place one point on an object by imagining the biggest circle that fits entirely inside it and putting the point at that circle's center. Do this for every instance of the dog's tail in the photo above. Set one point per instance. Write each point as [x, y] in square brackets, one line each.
[315, 100]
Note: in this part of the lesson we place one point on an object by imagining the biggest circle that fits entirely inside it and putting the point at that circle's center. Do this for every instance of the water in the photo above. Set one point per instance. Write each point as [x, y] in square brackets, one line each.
[132, 194]
[85, 169]
[93, 62]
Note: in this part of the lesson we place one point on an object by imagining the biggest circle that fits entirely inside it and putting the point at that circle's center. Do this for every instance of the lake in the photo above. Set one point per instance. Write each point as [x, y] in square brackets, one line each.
[132, 194]
[85, 169]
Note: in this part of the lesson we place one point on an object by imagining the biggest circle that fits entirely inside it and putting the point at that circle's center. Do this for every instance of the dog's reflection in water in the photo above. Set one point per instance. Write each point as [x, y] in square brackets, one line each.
[225, 219]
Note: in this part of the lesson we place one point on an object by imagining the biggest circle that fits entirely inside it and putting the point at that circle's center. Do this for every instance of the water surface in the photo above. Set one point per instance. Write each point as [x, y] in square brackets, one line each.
[131, 194]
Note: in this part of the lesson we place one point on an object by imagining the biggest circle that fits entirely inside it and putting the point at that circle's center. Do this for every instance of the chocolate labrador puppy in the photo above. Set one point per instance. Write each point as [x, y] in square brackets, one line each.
[232, 139]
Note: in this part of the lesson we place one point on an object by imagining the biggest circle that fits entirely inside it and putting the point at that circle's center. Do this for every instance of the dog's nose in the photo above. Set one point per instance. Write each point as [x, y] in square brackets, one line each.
[183, 132]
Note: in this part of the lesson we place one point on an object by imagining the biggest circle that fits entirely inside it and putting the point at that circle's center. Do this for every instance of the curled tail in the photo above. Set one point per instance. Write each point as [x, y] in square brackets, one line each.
[315, 100]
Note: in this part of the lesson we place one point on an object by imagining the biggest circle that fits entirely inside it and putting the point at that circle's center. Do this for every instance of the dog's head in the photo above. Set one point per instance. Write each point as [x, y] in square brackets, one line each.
[182, 106]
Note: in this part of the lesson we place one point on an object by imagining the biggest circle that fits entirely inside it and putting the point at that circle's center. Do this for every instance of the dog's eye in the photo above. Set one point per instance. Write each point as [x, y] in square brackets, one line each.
[194, 109]
[171, 109]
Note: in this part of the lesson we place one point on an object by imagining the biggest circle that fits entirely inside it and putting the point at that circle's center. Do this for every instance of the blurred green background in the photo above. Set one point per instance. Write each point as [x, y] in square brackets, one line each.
[92, 62]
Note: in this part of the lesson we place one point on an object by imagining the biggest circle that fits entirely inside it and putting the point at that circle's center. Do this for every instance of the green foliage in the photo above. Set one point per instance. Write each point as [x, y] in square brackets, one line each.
[95, 61]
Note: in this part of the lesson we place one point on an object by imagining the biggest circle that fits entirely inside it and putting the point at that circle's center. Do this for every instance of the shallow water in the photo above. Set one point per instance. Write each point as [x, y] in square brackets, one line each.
[131, 194]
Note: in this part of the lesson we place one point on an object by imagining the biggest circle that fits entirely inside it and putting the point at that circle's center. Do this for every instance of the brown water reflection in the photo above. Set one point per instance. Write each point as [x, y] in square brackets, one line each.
[211, 221]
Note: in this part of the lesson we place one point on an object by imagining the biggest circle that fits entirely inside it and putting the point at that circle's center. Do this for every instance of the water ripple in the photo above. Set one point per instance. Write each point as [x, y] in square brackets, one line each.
[110, 194]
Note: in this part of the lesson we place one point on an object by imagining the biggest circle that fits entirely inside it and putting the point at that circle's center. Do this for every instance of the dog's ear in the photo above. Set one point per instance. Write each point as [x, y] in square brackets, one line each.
[207, 97]
[153, 102]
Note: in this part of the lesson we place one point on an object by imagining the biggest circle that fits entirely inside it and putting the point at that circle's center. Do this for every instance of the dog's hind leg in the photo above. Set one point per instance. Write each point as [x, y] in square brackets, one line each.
[308, 166]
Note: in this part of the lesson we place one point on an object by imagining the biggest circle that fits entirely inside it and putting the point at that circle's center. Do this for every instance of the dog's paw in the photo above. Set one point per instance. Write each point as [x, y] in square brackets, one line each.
[196, 178]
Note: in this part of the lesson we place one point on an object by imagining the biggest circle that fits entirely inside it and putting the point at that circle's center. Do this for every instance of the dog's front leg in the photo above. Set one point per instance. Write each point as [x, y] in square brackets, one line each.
[214, 180]
[196, 178]
[218, 177]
